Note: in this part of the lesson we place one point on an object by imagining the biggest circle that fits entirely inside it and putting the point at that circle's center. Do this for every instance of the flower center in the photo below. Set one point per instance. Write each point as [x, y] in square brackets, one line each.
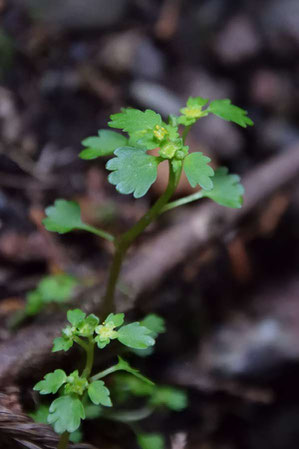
[160, 132]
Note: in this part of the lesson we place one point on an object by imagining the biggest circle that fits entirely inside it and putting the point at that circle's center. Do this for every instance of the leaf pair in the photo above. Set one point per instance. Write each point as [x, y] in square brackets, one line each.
[227, 189]
[134, 171]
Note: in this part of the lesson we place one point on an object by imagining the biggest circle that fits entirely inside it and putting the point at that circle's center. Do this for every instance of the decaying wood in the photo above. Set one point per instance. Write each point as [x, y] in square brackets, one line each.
[195, 229]
[19, 431]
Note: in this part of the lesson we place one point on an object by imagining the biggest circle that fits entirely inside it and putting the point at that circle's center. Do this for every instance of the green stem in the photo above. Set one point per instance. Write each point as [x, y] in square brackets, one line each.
[81, 343]
[89, 359]
[128, 416]
[106, 372]
[108, 302]
[105, 235]
[185, 133]
[125, 240]
[63, 440]
[185, 200]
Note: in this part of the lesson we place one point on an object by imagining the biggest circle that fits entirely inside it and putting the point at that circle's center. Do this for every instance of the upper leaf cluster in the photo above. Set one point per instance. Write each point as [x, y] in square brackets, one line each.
[134, 171]
[133, 335]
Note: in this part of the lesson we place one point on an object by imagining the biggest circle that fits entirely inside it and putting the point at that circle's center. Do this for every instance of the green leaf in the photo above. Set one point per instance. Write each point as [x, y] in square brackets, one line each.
[101, 343]
[143, 140]
[134, 171]
[227, 111]
[173, 120]
[227, 190]
[34, 302]
[172, 130]
[153, 138]
[99, 394]
[51, 383]
[62, 344]
[76, 437]
[155, 323]
[75, 316]
[87, 327]
[63, 217]
[173, 398]
[66, 413]
[195, 102]
[198, 171]
[104, 145]
[134, 120]
[117, 319]
[57, 288]
[92, 411]
[125, 383]
[125, 366]
[135, 336]
[40, 415]
[151, 441]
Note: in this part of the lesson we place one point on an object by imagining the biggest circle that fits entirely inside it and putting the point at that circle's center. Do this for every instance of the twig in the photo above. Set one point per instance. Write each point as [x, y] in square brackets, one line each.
[18, 431]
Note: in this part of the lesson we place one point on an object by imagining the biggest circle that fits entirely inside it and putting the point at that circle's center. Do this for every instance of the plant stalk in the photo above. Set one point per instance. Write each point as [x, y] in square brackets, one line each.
[63, 440]
[105, 372]
[89, 360]
[185, 133]
[182, 201]
[100, 232]
[89, 348]
[123, 243]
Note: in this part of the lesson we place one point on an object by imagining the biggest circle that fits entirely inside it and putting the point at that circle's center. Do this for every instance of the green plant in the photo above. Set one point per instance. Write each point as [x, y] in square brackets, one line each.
[133, 170]
[53, 289]
[123, 387]
[157, 398]
[57, 288]
[67, 411]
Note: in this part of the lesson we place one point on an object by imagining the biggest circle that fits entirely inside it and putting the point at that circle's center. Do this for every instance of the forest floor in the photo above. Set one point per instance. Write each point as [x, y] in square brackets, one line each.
[226, 282]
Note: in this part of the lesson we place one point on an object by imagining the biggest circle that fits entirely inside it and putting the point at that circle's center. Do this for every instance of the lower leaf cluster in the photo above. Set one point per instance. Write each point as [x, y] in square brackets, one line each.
[66, 412]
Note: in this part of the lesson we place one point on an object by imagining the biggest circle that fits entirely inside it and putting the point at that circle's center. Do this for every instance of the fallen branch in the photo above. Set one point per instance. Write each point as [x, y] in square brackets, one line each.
[19, 431]
[199, 225]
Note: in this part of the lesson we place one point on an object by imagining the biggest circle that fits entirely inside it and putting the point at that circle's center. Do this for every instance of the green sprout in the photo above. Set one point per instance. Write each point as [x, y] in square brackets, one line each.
[133, 170]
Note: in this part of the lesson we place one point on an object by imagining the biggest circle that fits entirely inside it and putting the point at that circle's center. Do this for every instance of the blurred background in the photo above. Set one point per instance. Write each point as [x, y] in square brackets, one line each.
[230, 297]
